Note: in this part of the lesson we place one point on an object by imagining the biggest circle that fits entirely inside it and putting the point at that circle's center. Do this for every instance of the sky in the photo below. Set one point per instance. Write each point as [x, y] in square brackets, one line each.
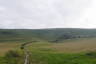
[37, 14]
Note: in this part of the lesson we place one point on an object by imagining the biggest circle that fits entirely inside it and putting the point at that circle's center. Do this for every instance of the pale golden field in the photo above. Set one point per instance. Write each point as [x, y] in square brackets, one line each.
[69, 46]
[6, 46]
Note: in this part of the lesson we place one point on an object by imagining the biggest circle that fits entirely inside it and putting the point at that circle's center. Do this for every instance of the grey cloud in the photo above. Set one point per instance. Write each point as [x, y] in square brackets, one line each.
[41, 13]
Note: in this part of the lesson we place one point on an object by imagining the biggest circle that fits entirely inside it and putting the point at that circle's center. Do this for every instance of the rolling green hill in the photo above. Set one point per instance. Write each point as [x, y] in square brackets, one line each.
[71, 51]
[55, 35]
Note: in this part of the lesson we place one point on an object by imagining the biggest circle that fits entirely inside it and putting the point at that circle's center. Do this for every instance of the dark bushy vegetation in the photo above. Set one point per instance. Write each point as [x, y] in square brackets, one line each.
[12, 57]
[91, 54]
[13, 54]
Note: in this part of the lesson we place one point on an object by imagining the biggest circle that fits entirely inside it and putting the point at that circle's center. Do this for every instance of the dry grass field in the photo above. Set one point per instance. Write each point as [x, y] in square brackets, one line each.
[76, 46]
[68, 46]
[42, 52]
[6, 46]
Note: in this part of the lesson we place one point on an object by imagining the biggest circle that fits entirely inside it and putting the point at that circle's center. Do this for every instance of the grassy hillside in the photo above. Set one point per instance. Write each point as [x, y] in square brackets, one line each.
[45, 34]
[75, 46]
[67, 46]
[76, 51]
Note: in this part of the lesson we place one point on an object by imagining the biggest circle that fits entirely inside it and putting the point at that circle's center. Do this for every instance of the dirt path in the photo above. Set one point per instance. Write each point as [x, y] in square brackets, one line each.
[26, 52]
[26, 61]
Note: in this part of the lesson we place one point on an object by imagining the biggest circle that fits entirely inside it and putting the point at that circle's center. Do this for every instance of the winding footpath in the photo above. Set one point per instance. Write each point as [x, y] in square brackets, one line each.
[26, 52]
[26, 61]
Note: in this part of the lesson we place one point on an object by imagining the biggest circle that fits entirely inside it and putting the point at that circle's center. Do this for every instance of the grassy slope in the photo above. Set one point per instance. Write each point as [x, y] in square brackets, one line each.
[55, 53]
[49, 53]
[43, 34]
[9, 45]
[59, 58]
[67, 46]
[5, 47]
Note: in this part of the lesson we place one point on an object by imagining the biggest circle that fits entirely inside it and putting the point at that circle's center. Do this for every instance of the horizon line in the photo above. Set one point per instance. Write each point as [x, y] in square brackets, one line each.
[47, 28]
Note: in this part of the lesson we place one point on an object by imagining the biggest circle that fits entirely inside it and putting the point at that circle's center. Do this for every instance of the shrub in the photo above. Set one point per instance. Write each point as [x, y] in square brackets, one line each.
[91, 54]
[12, 54]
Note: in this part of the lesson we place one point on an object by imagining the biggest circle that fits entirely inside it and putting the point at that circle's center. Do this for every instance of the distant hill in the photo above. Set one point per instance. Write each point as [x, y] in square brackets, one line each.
[55, 35]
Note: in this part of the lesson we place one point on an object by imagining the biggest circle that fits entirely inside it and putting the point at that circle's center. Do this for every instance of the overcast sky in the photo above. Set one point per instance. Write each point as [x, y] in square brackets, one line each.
[34, 14]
